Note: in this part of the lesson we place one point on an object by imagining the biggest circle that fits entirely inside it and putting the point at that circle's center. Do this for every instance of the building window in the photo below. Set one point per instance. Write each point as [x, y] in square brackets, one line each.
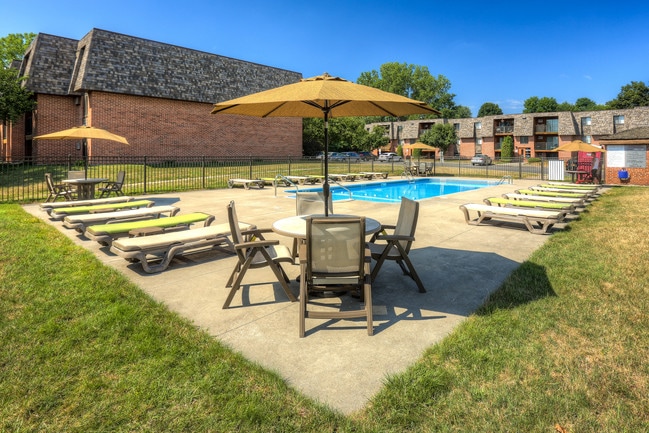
[478, 146]
[586, 139]
[585, 121]
[477, 125]
[457, 127]
[551, 143]
[618, 120]
[524, 139]
[552, 125]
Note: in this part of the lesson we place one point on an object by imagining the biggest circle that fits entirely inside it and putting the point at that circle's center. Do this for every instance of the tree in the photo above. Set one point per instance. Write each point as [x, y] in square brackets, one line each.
[586, 104]
[540, 105]
[13, 47]
[345, 133]
[412, 81]
[632, 95]
[442, 136]
[507, 148]
[14, 99]
[489, 109]
[457, 112]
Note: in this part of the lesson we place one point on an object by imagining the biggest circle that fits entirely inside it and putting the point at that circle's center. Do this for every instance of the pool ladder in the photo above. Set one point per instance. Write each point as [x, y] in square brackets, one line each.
[506, 179]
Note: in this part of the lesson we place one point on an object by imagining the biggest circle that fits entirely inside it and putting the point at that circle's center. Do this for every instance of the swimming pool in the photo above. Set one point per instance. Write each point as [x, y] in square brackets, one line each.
[392, 191]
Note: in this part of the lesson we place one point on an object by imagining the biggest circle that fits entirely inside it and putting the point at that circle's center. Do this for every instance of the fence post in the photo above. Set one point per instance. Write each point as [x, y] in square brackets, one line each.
[250, 167]
[144, 176]
[520, 167]
[203, 175]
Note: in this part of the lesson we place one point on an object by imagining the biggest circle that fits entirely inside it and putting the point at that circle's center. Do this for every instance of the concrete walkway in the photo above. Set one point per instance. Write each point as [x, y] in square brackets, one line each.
[336, 363]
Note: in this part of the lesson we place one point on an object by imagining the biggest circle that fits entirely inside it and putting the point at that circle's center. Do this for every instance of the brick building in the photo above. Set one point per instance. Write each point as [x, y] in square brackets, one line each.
[158, 96]
[537, 135]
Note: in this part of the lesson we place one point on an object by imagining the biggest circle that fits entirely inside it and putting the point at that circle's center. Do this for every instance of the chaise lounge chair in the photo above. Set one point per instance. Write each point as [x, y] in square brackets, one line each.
[536, 221]
[156, 252]
[60, 213]
[106, 233]
[577, 202]
[48, 207]
[587, 193]
[80, 222]
[531, 204]
[372, 174]
[573, 195]
[246, 183]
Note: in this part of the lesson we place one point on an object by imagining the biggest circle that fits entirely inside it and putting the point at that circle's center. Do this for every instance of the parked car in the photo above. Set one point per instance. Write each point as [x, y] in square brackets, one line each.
[352, 156]
[337, 156]
[389, 156]
[367, 156]
[481, 160]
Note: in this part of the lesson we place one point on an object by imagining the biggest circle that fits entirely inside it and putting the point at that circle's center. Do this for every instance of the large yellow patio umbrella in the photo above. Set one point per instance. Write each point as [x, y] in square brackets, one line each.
[83, 132]
[323, 96]
[578, 146]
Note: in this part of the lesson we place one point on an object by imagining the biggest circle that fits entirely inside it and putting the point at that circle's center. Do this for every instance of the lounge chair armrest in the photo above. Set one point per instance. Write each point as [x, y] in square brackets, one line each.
[257, 244]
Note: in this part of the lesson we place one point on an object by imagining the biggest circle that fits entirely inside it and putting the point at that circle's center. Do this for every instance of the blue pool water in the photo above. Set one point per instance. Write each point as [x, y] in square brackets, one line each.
[392, 191]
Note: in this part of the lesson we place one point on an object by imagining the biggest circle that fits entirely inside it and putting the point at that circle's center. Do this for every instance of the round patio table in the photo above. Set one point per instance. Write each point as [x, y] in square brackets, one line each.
[85, 187]
[295, 226]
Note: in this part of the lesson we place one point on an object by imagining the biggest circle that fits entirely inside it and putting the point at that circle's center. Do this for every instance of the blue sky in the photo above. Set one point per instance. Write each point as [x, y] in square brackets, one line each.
[500, 51]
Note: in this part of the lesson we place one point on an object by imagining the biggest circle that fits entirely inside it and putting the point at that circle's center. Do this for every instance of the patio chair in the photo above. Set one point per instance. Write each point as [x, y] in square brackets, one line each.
[335, 258]
[254, 251]
[397, 244]
[57, 190]
[116, 186]
[309, 203]
[75, 174]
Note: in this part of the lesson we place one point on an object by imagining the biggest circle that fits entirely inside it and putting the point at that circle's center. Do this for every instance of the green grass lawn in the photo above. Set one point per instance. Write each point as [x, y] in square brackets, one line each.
[563, 344]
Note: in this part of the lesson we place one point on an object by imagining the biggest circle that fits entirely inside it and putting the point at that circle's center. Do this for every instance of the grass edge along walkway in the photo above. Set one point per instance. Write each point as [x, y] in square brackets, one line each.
[561, 345]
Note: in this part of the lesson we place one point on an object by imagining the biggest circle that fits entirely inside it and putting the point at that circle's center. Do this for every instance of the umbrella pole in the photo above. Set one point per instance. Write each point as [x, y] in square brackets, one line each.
[325, 185]
[85, 157]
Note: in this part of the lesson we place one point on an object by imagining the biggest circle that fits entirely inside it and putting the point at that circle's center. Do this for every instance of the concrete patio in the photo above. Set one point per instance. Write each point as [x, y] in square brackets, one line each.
[336, 363]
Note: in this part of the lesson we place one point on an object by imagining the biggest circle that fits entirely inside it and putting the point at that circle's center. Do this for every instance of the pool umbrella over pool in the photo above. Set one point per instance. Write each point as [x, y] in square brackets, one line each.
[323, 96]
[84, 132]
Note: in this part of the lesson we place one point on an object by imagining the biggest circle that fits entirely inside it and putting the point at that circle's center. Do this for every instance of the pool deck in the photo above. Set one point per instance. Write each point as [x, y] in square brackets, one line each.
[336, 363]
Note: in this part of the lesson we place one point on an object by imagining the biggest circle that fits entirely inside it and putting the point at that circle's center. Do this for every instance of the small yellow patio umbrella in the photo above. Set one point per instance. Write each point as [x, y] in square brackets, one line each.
[323, 96]
[421, 146]
[83, 132]
[578, 146]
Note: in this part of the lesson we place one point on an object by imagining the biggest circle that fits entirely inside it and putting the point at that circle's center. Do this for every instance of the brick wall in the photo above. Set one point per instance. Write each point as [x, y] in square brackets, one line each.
[55, 113]
[163, 127]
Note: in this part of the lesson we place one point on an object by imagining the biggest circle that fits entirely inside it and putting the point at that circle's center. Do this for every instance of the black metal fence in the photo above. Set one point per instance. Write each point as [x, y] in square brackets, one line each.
[25, 181]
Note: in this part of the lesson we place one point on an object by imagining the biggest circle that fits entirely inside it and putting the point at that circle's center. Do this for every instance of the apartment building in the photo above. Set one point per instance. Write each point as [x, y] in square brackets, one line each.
[535, 135]
[158, 96]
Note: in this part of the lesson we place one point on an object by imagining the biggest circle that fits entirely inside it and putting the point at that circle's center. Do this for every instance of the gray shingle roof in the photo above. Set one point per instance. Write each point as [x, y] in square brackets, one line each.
[640, 133]
[117, 63]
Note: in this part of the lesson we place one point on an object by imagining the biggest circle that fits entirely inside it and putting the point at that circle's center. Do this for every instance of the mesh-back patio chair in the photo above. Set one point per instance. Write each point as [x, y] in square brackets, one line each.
[309, 203]
[396, 245]
[253, 251]
[57, 190]
[335, 258]
[116, 186]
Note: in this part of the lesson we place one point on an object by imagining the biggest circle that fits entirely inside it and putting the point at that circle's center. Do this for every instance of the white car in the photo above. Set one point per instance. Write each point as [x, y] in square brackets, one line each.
[389, 156]
[481, 160]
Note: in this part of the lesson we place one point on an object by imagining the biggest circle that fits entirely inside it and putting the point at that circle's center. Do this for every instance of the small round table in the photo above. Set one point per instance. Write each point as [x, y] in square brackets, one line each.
[85, 187]
[295, 226]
